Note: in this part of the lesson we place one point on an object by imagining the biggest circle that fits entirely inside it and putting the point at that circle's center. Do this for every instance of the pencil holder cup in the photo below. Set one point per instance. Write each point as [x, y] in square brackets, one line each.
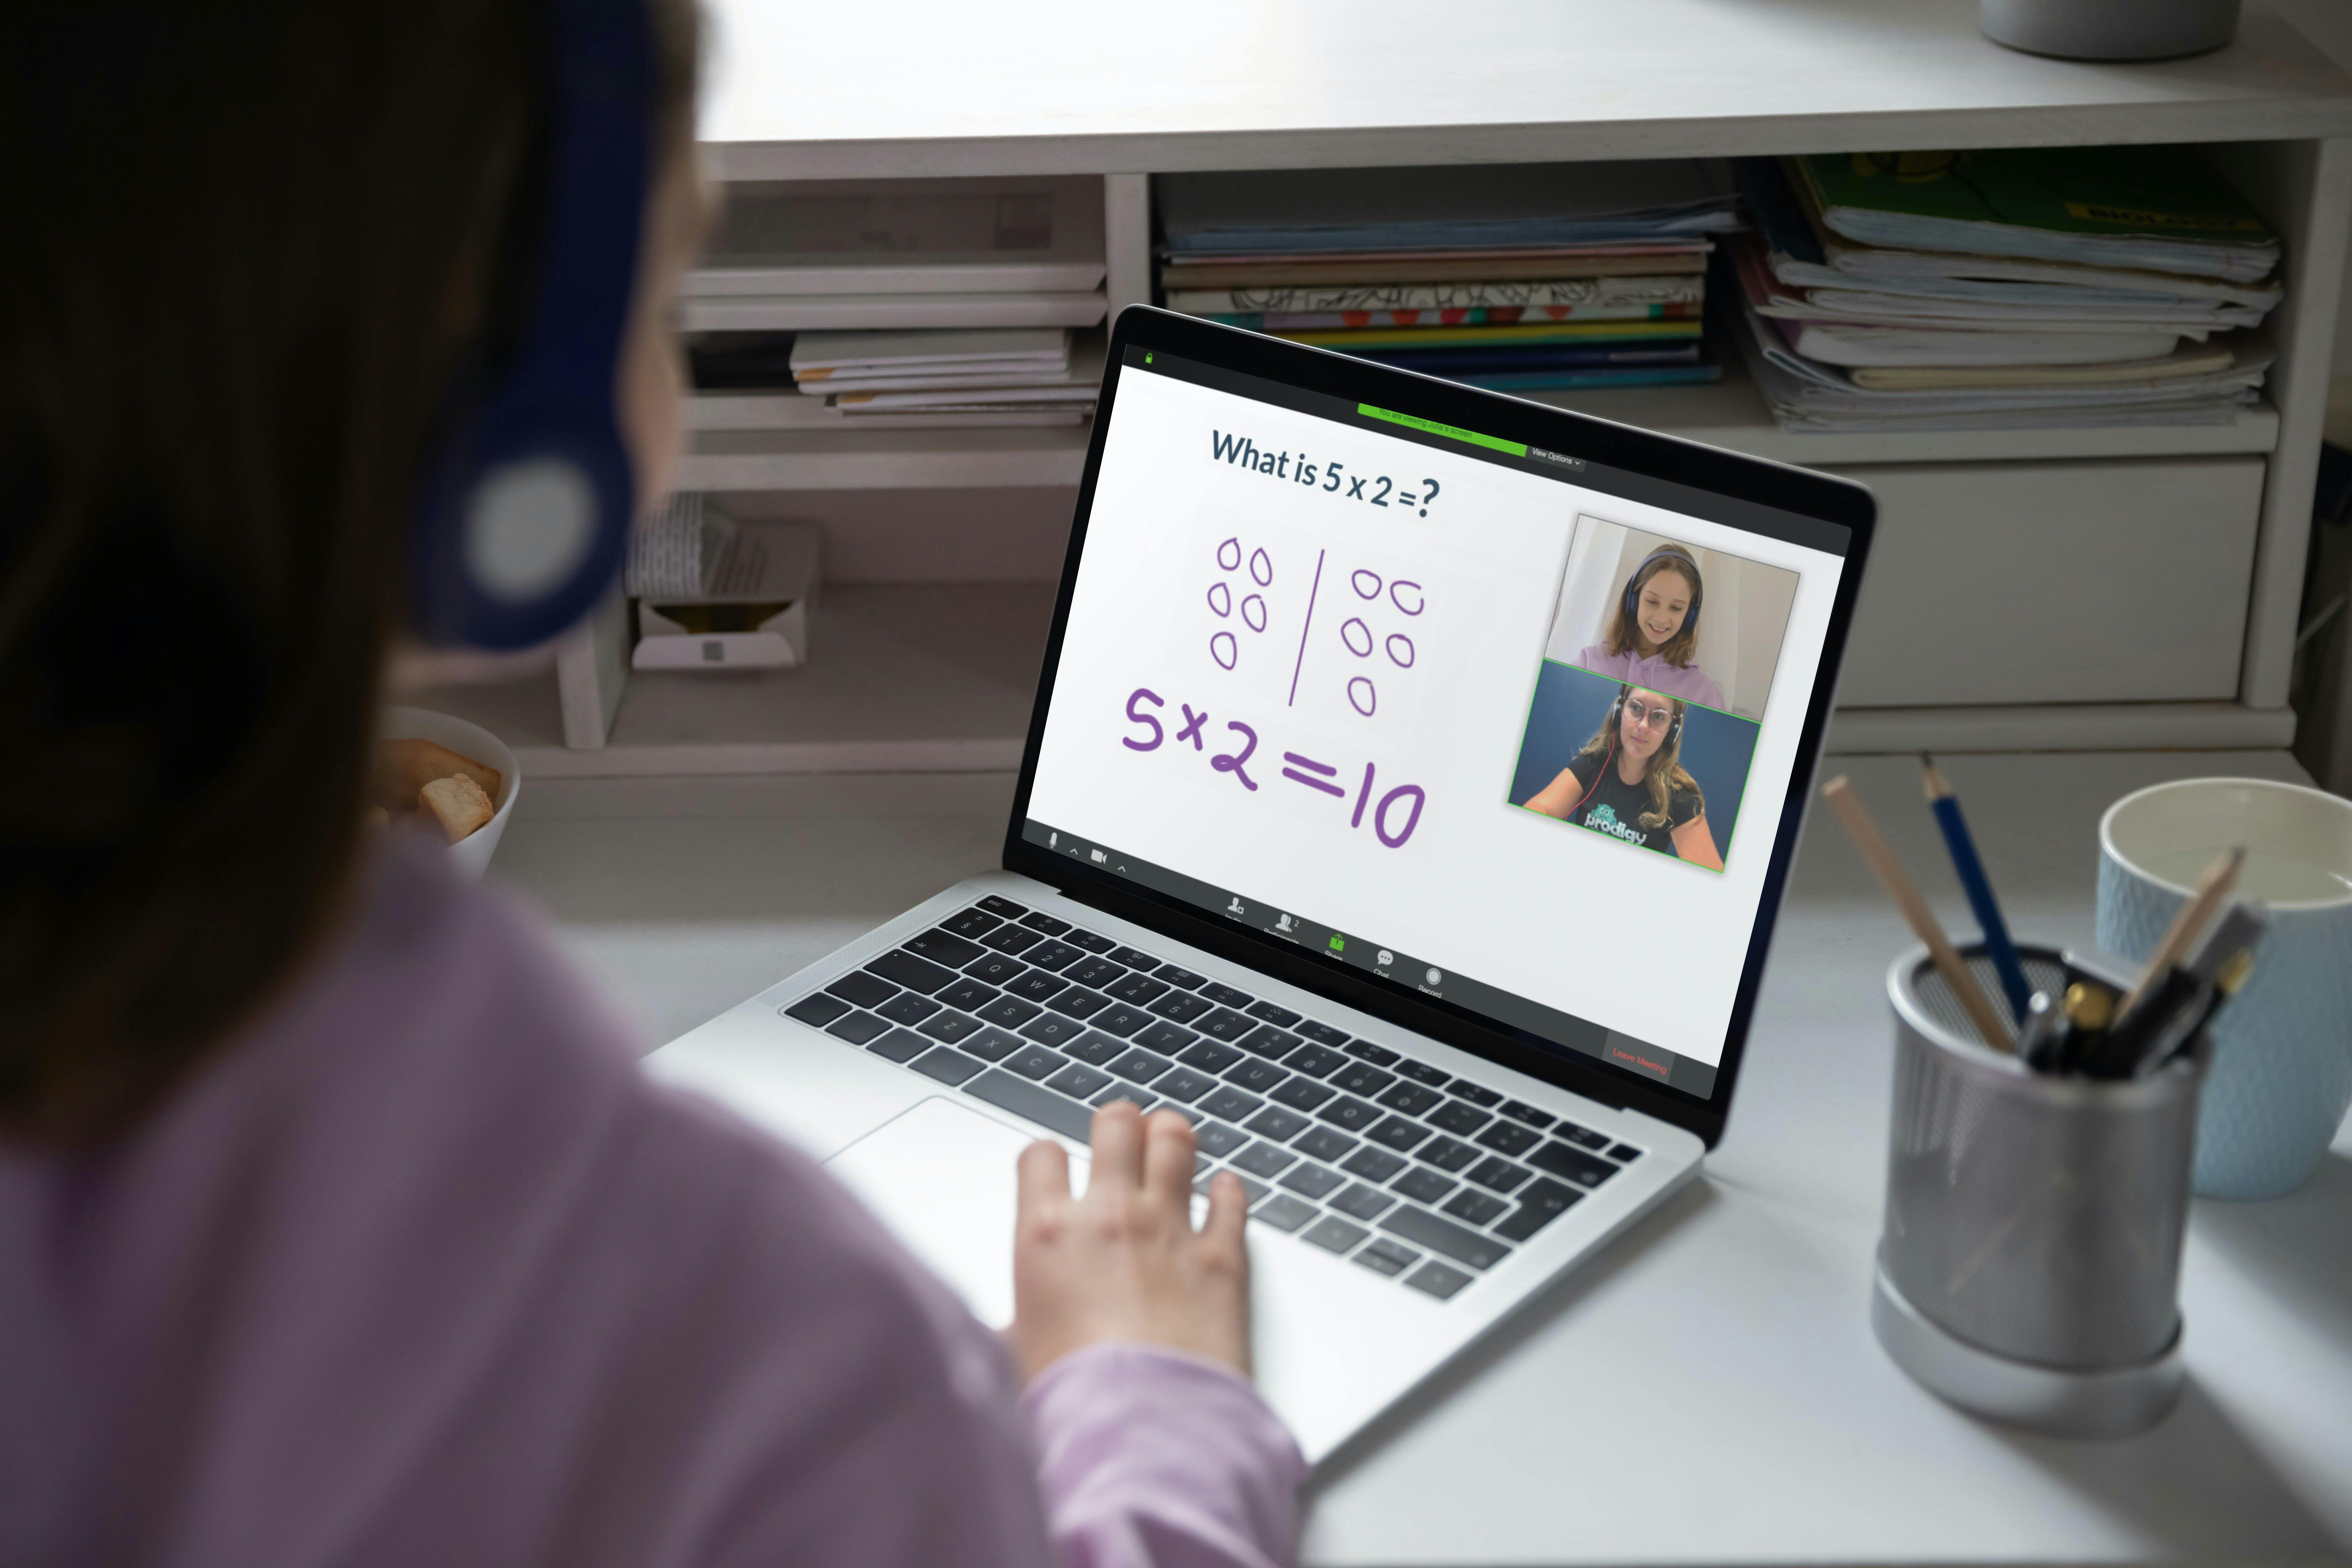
[2030, 1267]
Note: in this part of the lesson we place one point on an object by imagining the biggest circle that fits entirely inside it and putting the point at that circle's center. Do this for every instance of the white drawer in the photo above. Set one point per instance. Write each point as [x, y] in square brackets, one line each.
[2081, 582]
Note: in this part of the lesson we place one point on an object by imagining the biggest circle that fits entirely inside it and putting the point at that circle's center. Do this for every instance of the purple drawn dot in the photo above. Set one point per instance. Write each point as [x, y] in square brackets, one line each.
[1229, 553]
[1225, 649]
[1361, 578]
[1352, 631]
[1220, 599]
[1401, 650]
[1262, 568]
[1362, 701]
[1253, 612]
[1396, 597]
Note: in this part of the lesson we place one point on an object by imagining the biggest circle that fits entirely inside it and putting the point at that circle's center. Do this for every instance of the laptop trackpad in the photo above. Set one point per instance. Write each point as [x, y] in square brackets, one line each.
[942, 1178]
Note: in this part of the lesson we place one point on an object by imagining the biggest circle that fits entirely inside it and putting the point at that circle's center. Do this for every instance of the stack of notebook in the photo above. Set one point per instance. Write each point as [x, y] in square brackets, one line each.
[2016, 288]
[1521, 278]
[1008, 268]
[1001, 376]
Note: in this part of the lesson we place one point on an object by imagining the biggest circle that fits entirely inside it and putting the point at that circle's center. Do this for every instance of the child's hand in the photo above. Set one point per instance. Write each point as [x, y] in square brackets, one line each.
[1124, 1262]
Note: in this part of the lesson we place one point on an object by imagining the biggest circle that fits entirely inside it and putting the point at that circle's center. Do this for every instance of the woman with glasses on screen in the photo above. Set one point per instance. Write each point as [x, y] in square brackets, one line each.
[1629, 781]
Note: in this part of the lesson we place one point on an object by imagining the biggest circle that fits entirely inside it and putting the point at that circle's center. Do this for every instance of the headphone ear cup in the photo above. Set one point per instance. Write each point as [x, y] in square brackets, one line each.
[521, 520]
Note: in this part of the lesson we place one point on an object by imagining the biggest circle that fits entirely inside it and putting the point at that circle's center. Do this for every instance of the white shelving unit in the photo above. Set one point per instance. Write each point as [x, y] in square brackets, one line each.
[912, 677]
[2184, 546]
[882, 459]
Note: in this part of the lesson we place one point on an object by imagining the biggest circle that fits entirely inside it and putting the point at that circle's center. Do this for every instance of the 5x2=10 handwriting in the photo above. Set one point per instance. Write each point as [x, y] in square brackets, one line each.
[1404, 801]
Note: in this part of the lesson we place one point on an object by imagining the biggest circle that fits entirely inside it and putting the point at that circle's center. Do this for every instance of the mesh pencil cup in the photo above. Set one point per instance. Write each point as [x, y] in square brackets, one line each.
[2030, 1267]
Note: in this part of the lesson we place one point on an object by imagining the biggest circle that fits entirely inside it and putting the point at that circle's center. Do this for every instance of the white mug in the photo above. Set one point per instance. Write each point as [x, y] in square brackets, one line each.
[2282, 1072]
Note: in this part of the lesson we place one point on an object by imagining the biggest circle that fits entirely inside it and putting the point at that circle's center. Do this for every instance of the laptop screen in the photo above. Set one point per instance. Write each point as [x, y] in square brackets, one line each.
[1497, 724]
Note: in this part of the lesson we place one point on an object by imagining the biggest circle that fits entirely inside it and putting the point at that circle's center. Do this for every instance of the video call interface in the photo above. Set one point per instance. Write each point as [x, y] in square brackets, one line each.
[1471, 716]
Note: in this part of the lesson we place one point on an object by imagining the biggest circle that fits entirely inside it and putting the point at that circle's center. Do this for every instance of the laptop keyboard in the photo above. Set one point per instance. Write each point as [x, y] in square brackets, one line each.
[1345, 1144]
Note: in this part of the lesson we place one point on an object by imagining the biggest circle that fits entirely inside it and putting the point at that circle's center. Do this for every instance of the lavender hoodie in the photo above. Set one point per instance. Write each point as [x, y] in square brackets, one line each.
[424, 1270]
[1687, 681]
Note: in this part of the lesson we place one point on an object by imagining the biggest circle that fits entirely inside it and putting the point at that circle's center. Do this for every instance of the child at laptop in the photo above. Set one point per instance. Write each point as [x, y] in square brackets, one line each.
[337, 1222]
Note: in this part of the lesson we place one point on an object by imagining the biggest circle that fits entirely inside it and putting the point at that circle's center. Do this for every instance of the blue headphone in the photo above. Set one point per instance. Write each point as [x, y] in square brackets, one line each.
[1680, 557]
[522, 518]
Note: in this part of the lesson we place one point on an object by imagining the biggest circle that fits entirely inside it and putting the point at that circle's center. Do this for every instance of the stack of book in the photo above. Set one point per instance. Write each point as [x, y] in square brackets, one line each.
[1020, 377]
[1522, 278]
[2004, 289]
[924, 293]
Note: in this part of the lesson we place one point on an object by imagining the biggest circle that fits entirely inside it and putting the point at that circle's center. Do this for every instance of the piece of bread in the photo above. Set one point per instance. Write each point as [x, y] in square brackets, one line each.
[457, 803]
[404, 767]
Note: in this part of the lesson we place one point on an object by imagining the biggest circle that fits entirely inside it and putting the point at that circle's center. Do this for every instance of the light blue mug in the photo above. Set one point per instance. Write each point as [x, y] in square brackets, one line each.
[2282, 1072]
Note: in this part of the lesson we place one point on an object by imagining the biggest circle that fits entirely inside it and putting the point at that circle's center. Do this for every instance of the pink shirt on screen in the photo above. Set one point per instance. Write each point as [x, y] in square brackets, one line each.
[425, 1269]
[1687, 681]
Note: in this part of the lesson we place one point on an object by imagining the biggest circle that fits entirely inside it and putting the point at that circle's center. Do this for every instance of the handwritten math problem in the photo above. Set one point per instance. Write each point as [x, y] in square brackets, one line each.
[1376, 634]
[1393, 816]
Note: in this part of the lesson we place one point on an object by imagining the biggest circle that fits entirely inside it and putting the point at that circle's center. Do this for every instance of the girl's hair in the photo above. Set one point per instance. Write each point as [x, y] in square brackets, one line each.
[1666, 773]
[256, 243]
[1625, 636]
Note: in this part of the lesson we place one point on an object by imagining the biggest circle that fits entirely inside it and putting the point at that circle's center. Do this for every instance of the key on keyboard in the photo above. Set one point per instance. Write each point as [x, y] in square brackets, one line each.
[817, 1010]
[1024, 1099]
[860, 989]
[858, 1027]
[944, 947]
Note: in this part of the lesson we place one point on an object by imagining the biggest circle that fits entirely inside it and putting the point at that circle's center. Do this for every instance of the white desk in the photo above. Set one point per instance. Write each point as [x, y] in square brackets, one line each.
[1708, 1390]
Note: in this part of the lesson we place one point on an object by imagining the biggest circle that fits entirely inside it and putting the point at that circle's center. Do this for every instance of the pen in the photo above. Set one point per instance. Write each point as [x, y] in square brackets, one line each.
[2212, 889]
[1899, 886]
[2241, 926]
[2089, 1010]
[1998, 947]
[2180, 995]
[2037, 1037]
[2168, 1042]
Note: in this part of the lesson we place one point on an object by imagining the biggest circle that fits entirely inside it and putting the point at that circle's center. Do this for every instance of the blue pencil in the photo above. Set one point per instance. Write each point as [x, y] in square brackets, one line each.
[1998, 947]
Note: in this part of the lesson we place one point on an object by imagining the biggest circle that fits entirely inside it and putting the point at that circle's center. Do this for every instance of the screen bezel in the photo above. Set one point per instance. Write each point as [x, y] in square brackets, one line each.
[1728, 474]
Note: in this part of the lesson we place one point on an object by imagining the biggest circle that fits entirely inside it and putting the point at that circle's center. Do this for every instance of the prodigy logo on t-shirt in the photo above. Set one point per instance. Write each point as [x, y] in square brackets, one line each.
[1603, 819]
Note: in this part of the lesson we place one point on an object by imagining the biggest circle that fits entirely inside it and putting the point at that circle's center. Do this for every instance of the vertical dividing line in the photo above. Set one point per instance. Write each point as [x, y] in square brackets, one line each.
[1300, 663]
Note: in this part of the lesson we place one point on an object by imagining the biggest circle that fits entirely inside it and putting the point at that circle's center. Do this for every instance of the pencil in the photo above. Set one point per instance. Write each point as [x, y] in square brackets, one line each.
[1973, 882]
[1906, 894]
[2212, 889]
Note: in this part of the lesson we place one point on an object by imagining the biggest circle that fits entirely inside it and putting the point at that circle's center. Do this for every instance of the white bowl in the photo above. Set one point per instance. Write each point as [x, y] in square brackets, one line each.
[471, 854]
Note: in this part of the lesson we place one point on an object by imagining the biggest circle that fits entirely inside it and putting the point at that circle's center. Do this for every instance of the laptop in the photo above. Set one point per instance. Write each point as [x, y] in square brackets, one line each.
[1413, 780]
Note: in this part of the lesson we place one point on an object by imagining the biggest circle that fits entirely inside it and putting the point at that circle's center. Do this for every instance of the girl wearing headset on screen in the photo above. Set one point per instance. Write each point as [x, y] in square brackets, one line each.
[337, 1222]
[1629, 781]
[1652, 634]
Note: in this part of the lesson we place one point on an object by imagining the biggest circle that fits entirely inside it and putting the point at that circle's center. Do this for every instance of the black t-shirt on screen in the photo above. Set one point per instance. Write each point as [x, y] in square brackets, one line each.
[1616, 808]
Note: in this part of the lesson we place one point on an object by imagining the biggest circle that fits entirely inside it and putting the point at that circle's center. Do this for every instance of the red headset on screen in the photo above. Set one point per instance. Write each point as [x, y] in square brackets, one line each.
[1609, 724]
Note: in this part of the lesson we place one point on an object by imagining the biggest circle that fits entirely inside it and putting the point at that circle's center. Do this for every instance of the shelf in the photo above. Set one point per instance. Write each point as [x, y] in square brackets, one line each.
[943, 679]
[1295, 83]
[927, 678]
[2061, 727]
[882, 459]
[1732, 413]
